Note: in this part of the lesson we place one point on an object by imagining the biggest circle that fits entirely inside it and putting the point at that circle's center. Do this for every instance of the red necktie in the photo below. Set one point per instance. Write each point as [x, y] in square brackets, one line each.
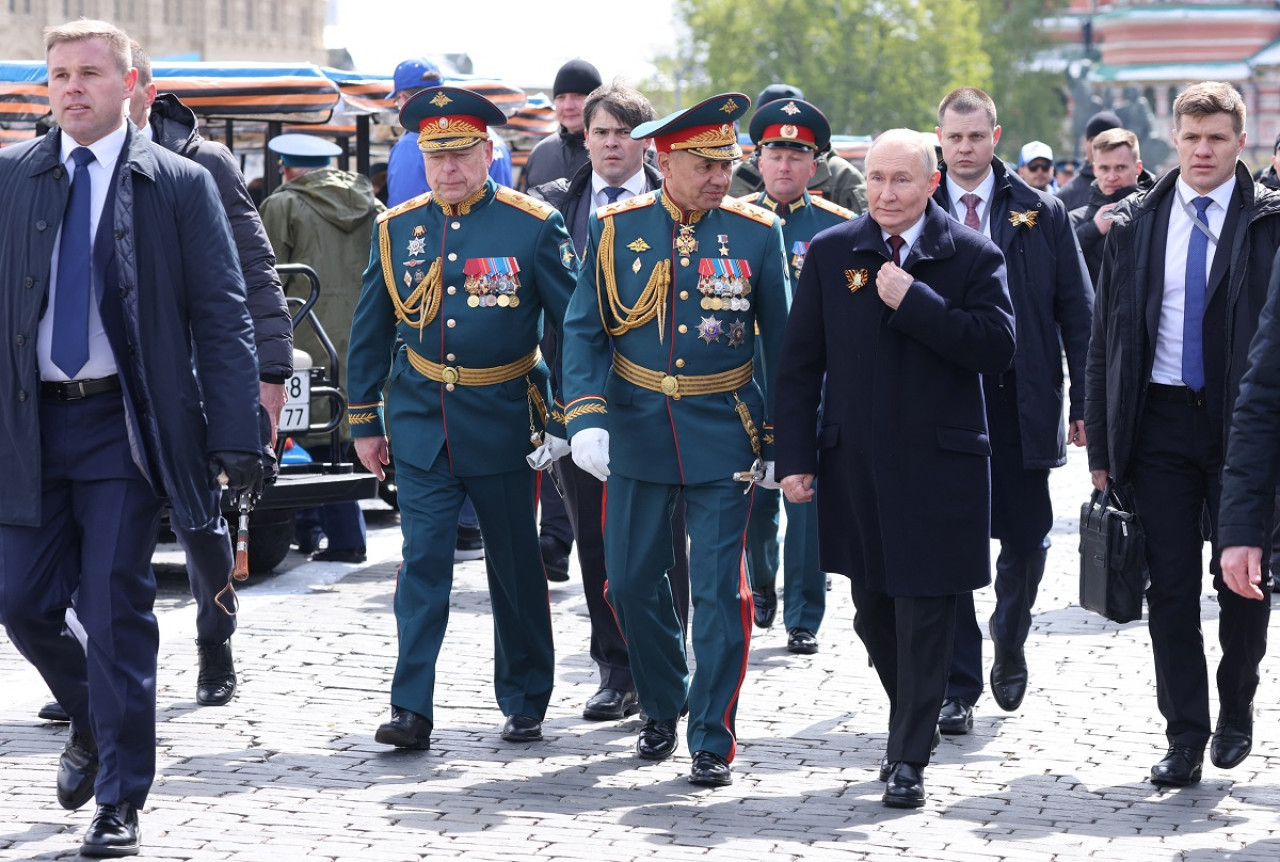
[971, 217]
[896, 243]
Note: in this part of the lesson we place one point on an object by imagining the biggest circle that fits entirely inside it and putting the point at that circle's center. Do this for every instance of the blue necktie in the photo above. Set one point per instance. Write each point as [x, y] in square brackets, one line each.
[612, 193]
[1195, 285]
[70, 347]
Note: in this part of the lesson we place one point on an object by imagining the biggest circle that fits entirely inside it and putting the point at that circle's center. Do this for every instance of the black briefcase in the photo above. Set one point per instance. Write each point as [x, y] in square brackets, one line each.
[1113, 561]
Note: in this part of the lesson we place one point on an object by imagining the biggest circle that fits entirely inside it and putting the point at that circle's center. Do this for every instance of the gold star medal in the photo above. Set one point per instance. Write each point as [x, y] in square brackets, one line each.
[723, 239]
[858, 279]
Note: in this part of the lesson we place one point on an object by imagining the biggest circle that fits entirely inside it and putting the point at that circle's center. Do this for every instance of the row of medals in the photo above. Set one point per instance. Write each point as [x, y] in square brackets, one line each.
[481, 295]
[720, 293]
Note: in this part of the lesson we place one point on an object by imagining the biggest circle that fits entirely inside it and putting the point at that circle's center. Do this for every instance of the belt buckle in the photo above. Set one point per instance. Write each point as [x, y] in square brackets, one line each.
[72, 390]
[670, 386]
[449, 374]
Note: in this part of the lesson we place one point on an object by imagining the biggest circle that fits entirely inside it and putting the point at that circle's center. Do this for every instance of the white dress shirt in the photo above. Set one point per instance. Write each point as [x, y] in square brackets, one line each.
[631, 188]
[102, 362]
[1167, 368]
[985, 191]
[909, 236]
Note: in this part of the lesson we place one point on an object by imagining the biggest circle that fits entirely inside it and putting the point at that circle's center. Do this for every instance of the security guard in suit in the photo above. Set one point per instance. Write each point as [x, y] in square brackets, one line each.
[677, 281]
[462, 275]
[789, 134]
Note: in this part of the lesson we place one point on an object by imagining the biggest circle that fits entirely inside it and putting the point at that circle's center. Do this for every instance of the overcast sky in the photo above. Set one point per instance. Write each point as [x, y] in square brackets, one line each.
[522, 41]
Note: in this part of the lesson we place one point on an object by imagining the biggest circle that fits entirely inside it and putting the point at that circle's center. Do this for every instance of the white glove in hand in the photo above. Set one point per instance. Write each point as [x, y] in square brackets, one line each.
[553, 448]
[590, 449]
[769, 481]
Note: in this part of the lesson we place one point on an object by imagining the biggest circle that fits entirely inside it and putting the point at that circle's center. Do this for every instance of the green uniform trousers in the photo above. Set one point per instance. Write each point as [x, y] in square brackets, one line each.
[804, 584]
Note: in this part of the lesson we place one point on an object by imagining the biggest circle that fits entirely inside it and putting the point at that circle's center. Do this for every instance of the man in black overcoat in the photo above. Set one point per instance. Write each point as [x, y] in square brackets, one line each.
[901, 312]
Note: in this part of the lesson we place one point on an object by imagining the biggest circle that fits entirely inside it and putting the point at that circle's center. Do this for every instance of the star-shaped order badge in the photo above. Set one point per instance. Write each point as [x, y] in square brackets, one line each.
[737, 333]
[418, 245]
[710, 329]
[1027, 218]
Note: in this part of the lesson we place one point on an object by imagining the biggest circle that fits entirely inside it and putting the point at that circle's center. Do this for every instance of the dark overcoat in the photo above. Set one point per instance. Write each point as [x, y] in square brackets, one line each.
[188, 364]
[902, 456]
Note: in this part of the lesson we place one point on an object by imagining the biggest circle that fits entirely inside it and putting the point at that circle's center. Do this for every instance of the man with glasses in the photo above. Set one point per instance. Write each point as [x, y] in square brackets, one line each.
[1035, 165]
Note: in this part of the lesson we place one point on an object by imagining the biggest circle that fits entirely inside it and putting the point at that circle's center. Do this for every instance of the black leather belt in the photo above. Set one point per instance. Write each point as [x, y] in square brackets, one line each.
[74, 390]
[1175, 394]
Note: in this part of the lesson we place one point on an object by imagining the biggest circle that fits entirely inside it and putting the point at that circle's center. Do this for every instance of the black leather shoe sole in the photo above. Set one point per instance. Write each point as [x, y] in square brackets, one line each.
[1172, 779]
[893, 799]
[389, 734]
[519, 729]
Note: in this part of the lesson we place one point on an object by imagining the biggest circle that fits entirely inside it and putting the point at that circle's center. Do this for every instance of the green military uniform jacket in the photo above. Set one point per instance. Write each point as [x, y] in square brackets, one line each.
[677, 295]
[802, 219]
[465, 288]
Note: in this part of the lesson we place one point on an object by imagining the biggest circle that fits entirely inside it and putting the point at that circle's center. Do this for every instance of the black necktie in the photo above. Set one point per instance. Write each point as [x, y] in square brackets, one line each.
[70, 347]
[612, 193]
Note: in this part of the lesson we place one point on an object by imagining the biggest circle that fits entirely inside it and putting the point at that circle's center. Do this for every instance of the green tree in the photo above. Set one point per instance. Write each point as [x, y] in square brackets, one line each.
[869, 64]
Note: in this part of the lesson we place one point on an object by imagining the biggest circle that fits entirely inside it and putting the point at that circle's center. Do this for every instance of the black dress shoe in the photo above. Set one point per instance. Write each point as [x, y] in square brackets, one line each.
[1008, 676]
[522, 728]
[611, 704]
[710, 770]
[905, 786]
[340, 555]
[77, 769]
[1232, 740]
[53, 711]
[658, 739]
[1181, 766]
[216, 679]
[766, 607]
[406, 729]
[555, 558]
[113, 832]
[886, 767]
[956, 717]
[802, 642]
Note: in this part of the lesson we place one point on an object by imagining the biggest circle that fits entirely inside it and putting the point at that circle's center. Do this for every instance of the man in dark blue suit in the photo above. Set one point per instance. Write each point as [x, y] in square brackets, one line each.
[130, 381]
[900, 312]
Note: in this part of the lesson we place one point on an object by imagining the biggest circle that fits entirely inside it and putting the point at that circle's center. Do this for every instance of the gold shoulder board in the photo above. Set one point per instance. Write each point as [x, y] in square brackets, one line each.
[824, 204]
[536, 208]
[645, 200]
[410, 204]
[751, 211]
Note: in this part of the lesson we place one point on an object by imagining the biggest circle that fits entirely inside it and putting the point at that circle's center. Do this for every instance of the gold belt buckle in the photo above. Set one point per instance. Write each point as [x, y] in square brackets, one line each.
[670, 386]
[449, 374]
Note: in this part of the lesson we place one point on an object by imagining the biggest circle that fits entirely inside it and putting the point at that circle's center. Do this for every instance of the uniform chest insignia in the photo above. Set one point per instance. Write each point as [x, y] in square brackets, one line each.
[724, 283]
[685, 243]
[412, 263]
[408, 279]
[419, 230]
[492, 281]
[858, 279]
[1027, 218]
[710, 329]
[723, 239]
[638, 246]
[637, 266]
[737, 333]
[798, 251]
[418, 245]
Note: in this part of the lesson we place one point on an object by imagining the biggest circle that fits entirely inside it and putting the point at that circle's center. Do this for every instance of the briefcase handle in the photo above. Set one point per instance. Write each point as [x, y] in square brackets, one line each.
[1118, 497]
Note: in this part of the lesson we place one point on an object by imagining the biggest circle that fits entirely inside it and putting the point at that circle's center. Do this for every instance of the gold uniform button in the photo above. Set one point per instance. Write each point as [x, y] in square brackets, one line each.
[451, 323]
[449, 357]
[679, 363]
[453, 255]
[452, 290]
[684, 294]
[683, 329]
[456, 225]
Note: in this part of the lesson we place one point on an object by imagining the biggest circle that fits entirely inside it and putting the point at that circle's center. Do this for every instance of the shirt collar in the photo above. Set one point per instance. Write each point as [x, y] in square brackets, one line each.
[105, 150]
[1221, 195]
[985, 190]
[635, 184]
[910, 235]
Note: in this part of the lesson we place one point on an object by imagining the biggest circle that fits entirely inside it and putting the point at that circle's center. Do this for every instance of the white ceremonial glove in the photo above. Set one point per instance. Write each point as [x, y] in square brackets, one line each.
[769, 481]
[590, 449]
[553, 448]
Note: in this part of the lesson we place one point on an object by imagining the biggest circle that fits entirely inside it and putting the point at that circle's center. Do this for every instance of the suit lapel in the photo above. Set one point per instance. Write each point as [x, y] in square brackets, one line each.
[1224, 251]
[1155, 275]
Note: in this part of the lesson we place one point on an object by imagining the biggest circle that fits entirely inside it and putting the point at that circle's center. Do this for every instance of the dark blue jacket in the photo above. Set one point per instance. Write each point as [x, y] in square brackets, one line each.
[1053, 302]
[187, 335]
[902, 456]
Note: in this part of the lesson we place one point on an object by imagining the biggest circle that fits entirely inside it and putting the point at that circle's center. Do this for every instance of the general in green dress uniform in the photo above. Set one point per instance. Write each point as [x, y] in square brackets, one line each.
[789, 134]
[462, 276]
[678, 282]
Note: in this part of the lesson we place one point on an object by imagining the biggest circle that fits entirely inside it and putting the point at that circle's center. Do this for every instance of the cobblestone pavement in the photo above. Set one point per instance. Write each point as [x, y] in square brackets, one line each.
[290, 771]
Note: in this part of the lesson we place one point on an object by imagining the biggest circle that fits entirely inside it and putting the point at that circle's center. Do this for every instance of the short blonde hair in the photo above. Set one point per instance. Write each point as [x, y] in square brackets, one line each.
[1210, 97]
[87, 28]
[1114, 139]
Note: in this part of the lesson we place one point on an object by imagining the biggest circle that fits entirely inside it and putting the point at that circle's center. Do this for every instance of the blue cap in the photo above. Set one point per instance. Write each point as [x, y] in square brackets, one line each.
[705, 130]
[303, 151]
[792, 123]
[415, 74]
[450, 118]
